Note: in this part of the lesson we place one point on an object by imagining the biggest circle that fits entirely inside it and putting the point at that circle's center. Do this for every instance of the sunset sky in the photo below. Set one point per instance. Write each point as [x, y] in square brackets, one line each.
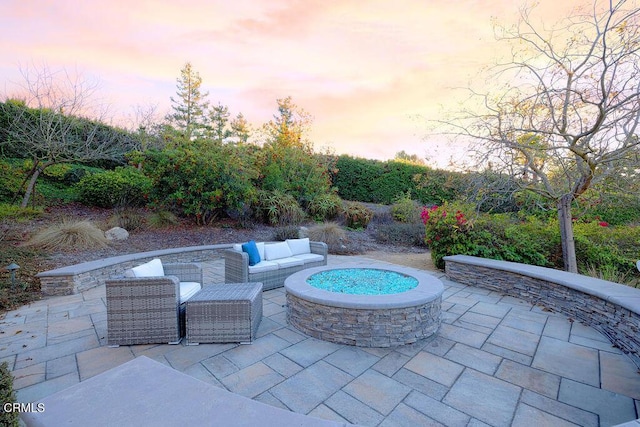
[370, 73]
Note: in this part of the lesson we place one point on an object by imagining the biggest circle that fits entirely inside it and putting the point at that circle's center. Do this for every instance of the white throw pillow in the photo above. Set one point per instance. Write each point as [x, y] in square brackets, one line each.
[276, 251]
[299, 246]
[152, 268]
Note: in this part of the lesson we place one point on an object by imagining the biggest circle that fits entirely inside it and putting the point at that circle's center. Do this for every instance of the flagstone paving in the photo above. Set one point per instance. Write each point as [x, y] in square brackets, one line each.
[496, 361]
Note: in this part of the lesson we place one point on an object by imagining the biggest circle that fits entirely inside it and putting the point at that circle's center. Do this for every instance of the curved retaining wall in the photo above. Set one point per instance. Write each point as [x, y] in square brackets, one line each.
[611, 308]
[77, 278]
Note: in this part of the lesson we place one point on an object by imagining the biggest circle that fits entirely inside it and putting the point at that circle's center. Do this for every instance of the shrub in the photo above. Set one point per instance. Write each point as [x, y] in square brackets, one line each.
[162, 219]
[401, 234]
[286, 232]
[121, 187]
[325, 207]
[452, 230]
[10, 181]
[597, 248]
[69, 235]
[57, 172]
[127, 218]
[330, 233]
[357, 215]
[277, 208]
[404, 209]
[202, 184]
[615, 208]
[17, 213]
[7, 395]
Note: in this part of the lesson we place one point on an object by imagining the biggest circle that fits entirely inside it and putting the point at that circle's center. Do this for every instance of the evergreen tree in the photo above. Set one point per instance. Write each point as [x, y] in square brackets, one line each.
[190, 106]
[219, 119]
[240, 129]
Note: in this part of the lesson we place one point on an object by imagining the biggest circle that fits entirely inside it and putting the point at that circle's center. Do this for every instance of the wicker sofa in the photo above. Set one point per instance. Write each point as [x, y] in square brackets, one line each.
[147, 306]
[276, 264]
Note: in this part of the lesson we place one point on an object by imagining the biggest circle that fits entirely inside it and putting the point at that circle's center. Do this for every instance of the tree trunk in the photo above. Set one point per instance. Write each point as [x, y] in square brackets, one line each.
[31, 186]
[566, 234]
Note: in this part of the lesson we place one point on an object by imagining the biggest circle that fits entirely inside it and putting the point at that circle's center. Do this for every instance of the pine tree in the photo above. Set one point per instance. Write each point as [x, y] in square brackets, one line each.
[219, 119]
[190, 106]
[240, 129]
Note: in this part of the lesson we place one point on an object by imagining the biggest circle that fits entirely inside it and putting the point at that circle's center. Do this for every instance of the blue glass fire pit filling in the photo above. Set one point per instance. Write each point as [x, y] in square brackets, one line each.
[362, 281]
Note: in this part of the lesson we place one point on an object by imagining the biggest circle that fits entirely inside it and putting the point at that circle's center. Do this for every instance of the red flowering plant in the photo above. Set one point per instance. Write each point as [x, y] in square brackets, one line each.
[447, 231]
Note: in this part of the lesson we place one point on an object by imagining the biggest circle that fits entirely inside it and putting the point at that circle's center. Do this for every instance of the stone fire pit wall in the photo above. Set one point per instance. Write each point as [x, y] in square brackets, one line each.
[388, 320]
[364, 327]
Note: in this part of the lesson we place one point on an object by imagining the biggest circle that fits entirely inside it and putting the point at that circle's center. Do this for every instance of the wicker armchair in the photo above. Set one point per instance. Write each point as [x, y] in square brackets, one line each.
[147, 310]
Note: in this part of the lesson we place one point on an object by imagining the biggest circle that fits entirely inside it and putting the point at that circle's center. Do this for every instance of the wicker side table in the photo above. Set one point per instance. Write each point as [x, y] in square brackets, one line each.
[224, 313]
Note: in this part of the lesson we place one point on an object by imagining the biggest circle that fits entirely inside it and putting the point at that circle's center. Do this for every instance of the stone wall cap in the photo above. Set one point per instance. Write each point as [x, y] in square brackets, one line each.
[105, 262]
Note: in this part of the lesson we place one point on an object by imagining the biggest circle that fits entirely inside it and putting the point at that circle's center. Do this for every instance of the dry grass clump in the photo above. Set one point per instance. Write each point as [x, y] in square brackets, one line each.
[332, 234]
[129, 219]
[69, 235]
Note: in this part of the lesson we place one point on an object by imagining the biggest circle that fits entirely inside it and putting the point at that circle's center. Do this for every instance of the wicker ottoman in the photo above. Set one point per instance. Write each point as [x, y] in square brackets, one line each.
[224, 313]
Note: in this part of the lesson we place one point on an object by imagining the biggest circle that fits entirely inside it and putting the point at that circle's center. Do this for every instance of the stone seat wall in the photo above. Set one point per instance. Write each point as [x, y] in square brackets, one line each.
[77, 278]
[611, 308]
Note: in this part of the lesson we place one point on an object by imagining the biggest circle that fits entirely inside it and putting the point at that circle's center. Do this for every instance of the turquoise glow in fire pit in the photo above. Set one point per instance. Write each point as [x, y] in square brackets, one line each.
[362, 281]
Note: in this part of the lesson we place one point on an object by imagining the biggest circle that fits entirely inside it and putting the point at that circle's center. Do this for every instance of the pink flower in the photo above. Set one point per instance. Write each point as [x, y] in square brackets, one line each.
[603, 224]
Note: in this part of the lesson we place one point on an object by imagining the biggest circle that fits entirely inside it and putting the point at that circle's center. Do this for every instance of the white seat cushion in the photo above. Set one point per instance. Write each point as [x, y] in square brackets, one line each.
[299, 246]
[274, 251]
[263, 266]
[289, 262]
[188, 289]
[152, 268]
[307, 258]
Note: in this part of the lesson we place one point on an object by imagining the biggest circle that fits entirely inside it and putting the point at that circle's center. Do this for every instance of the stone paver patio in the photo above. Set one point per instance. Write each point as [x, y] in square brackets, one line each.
[496, 361]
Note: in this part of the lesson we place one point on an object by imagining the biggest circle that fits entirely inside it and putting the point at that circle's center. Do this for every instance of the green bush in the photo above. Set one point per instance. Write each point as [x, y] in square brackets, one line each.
[124, 186]
[455, 230]
[201, 183]
[57, 172]
[162, 219]
[405, 209]
[606, 248]
[7, 395]
[10, 181]
[325, 207]
[614, 208]
[293, 170]
[17, 213]
[277, 208]
[357, 215]
[374, 181]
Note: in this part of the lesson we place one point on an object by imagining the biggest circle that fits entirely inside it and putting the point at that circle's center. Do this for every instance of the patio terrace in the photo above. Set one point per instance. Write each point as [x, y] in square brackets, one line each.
[496, 360]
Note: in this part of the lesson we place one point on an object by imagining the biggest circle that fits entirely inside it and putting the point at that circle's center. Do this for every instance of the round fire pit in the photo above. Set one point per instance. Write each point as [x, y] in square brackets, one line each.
[365, 320]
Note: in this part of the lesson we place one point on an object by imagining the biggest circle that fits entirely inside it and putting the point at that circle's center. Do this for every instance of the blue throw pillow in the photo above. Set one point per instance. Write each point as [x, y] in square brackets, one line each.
[252, 250]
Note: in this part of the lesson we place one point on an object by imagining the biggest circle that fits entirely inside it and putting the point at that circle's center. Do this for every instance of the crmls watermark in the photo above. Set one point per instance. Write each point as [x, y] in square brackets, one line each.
[23, 407]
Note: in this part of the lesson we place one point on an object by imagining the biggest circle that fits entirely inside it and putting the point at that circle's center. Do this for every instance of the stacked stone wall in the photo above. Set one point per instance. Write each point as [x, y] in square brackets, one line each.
[80, 277]
[621, 325]
[380, 327]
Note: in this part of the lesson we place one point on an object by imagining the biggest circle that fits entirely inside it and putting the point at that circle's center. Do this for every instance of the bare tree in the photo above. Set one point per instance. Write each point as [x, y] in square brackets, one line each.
[54, 122]
[567, 116]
